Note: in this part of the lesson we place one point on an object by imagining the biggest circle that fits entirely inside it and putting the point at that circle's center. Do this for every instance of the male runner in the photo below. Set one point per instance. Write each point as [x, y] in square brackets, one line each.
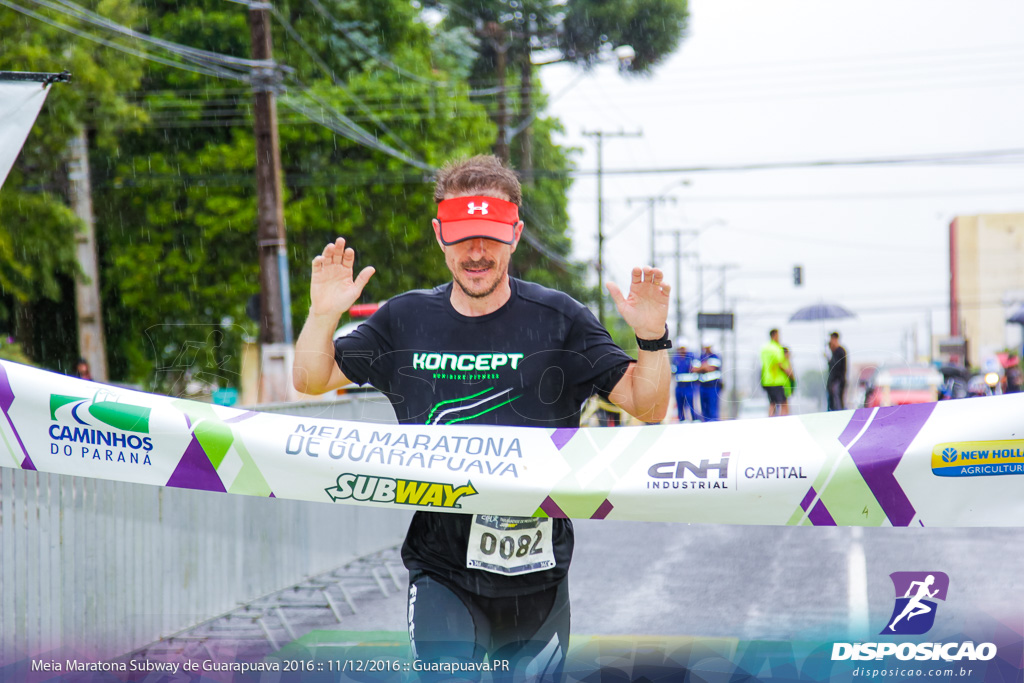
[492, 350]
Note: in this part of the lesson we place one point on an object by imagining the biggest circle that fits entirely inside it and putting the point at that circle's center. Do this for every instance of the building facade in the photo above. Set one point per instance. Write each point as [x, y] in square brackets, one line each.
[986, 281]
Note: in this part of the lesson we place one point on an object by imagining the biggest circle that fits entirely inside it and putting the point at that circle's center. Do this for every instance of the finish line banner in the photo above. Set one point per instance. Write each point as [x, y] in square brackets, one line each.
[955, 463]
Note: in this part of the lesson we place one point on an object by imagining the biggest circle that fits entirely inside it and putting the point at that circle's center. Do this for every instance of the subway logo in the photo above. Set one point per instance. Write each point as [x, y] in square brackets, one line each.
[365, 488]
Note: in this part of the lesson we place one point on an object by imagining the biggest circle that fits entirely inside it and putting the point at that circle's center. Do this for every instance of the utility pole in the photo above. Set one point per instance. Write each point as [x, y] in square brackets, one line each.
[700, 304]
[734, 394]
[679, 255]
[651, 203]
[722, 271]
[91, 344]
[526, 103]
[275, 298]
[496, 33]
[601, 135]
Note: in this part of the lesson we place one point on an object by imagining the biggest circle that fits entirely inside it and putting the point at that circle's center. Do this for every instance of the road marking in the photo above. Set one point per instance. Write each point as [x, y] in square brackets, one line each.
[857, 587]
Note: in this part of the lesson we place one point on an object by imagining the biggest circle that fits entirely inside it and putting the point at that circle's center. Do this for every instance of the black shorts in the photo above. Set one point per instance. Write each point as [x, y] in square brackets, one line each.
[449, 624]
[776, 395]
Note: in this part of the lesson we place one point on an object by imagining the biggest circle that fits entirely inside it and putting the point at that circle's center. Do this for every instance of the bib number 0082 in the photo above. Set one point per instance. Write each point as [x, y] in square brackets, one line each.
[511, 546]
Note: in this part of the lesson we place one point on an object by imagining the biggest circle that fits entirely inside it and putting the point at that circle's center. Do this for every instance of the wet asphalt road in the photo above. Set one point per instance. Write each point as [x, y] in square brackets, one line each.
[781, 582]
[642, 578]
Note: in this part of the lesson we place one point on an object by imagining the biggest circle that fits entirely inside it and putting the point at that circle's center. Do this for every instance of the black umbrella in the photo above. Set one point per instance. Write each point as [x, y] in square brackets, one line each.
[821, 311]
[1017, 316]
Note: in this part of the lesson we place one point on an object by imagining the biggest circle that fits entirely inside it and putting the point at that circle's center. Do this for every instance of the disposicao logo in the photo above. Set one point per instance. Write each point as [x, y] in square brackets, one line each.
[400, 491]
[914, 614]
[978, 458]
[916, 593]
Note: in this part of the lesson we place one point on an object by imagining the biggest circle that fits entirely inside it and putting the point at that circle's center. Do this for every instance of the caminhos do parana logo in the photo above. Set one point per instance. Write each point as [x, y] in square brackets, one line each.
[399, 491]
[978, 458]
[100, 428]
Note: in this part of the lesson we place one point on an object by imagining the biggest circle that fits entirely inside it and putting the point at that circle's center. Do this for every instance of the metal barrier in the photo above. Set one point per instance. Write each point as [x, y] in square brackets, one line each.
[102, 568]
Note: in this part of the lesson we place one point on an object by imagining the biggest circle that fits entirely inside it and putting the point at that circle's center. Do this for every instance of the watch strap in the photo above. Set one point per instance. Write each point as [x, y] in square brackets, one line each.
[655, 344]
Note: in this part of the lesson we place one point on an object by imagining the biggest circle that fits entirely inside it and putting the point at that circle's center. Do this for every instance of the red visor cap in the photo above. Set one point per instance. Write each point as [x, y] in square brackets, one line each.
[464, 218]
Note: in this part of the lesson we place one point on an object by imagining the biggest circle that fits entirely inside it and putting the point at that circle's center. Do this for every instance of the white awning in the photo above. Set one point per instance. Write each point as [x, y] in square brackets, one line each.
[20, 103]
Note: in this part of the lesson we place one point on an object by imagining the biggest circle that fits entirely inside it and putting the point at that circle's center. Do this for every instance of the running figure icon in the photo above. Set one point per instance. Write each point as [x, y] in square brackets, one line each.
[915, 607]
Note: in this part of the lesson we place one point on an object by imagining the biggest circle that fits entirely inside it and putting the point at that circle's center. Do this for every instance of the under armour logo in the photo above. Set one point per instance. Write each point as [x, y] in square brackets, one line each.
[474, 208]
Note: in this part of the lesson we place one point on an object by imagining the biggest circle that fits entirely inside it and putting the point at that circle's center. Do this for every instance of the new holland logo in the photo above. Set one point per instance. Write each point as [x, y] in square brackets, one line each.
[362, 487]
[978, 458]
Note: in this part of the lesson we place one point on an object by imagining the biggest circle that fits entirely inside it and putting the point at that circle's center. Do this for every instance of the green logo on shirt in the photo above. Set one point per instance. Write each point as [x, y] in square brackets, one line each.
[465, 362]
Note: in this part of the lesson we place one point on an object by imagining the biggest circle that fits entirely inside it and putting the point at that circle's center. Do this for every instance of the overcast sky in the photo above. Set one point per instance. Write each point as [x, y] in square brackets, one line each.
[804, 80]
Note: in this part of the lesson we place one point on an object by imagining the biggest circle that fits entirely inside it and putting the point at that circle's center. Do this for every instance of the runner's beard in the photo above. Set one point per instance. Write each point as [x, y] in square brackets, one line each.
[489, 288]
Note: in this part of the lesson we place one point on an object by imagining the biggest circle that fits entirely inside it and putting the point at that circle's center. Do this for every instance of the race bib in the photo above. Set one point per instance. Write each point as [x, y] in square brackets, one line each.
[510, 545]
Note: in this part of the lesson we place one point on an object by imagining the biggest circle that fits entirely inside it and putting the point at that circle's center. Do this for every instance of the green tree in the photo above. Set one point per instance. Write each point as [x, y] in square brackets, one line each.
[37, 228]
[177, 200]
[584, 32]
[508, 34]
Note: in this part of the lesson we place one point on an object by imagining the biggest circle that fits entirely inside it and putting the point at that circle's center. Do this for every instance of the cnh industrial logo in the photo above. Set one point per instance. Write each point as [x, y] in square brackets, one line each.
[917, 597]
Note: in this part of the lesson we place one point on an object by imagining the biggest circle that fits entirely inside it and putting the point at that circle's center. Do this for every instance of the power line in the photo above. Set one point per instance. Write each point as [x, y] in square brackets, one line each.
[534, 242]
[343, 31]
[334, 120]
[330, 74]
[952, 53]
[206, 63]
[1012, 155]
[206, 71]
[203, 58]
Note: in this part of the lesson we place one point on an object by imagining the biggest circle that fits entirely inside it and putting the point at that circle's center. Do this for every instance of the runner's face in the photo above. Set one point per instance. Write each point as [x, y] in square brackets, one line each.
[479, 266]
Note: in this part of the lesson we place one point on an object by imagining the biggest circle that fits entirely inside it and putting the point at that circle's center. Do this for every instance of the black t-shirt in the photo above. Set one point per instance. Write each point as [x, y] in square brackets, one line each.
[837, 366]
[531, 363]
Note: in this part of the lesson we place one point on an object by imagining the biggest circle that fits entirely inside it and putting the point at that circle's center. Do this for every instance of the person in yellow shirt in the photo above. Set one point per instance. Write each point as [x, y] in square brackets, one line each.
[791, 379]
[775, 374]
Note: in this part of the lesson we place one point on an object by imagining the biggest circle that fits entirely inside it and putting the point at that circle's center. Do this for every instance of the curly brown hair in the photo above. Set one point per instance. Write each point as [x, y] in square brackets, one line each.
[480, 174]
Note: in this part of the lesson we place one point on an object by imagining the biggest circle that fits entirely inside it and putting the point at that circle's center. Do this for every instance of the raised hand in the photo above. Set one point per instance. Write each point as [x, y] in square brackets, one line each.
[332, 288]
[646, 307]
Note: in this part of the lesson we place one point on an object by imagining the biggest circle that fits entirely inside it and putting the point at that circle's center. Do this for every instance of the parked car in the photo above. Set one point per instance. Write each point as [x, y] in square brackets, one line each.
[903, 385]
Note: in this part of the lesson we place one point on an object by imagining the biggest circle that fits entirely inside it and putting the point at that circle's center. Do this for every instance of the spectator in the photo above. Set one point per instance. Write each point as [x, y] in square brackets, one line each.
[774, 375]
[82, 370]
[836, 383]
[683, 369]
[1014, 375]
[791, 375]
[710, 371]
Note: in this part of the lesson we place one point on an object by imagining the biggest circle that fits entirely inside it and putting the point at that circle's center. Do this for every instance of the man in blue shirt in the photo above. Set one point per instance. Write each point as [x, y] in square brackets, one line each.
[683, 369]
[710, 379]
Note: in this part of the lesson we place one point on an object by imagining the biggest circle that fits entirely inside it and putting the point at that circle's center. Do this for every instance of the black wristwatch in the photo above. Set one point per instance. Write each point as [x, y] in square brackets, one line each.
[655, 344]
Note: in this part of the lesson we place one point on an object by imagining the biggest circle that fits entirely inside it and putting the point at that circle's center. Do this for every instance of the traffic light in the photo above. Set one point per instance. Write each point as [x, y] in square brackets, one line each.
[798, 275]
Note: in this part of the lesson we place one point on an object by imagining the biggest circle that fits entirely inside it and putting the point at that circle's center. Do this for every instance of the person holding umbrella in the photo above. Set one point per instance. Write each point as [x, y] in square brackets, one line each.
[836, 383]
